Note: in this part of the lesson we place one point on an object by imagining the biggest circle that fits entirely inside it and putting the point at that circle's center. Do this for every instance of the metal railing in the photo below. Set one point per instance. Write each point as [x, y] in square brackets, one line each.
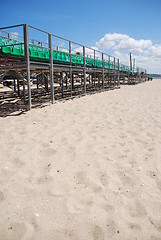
[86, 52]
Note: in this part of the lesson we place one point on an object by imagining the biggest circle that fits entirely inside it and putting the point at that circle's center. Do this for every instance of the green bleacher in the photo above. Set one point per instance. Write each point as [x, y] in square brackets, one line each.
[16, 48]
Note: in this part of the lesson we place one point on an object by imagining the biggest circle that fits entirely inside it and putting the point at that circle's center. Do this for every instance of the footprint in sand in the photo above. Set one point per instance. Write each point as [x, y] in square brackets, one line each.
[151, 135]
[153, 175]
[127, 150]
[17, 162]
[132, 133]
[48, 152]
[111, 228]
[134, 226]
[2, 197]
[104, 136]
[34, 223]
[158, 182]
[122, 156]
[154, 216]
[121, 144]
[109, 209]
[104, 179]
[45, 179]
[64, 140]
[6, 173]
[136, 208]
[81, 178]
[126, 179]
[141, 142]
[80, 202]
[97, 233]
[123, 136]
[45, 145]
[151, 149]
[16, 230]
[56, 234]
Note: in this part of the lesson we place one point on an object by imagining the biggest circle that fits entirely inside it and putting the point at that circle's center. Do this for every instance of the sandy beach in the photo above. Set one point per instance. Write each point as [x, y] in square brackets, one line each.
[88, 168]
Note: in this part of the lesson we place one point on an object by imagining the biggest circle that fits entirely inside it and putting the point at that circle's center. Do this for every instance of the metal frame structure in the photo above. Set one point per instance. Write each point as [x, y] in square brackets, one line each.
[92, 79]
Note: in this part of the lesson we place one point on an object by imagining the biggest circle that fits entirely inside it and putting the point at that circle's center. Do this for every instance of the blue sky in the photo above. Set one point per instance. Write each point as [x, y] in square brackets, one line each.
[87, 22]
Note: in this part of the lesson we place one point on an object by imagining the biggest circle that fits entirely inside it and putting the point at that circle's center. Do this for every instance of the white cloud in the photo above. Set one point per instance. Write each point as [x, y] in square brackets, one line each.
[110, 40]
[154, 51]
[88, 51]
[147, 54]
[151, 63]
[119, 41]
[14, 35]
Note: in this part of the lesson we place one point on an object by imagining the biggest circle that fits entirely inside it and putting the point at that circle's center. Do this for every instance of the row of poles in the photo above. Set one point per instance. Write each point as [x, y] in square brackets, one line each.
[27, 58]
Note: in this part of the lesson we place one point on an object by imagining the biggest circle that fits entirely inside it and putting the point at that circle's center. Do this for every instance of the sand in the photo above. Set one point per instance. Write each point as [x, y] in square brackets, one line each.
[88, 168]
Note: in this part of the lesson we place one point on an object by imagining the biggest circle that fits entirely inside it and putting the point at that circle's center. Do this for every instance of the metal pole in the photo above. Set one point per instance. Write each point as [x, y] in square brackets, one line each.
[18, 87]
[94, 69]
[84, 69]
[46, 82]
[70, 50]
[51, 67]
[114, 72]
[102, 71]
[37, 82]
[133, 64]
[129, 78]
[72, 82]
[62, 82]
[109, 80]
[130, 62]
[14, 85]
[66, 81]
[24, 97]
[118, 79]
[26, 46]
